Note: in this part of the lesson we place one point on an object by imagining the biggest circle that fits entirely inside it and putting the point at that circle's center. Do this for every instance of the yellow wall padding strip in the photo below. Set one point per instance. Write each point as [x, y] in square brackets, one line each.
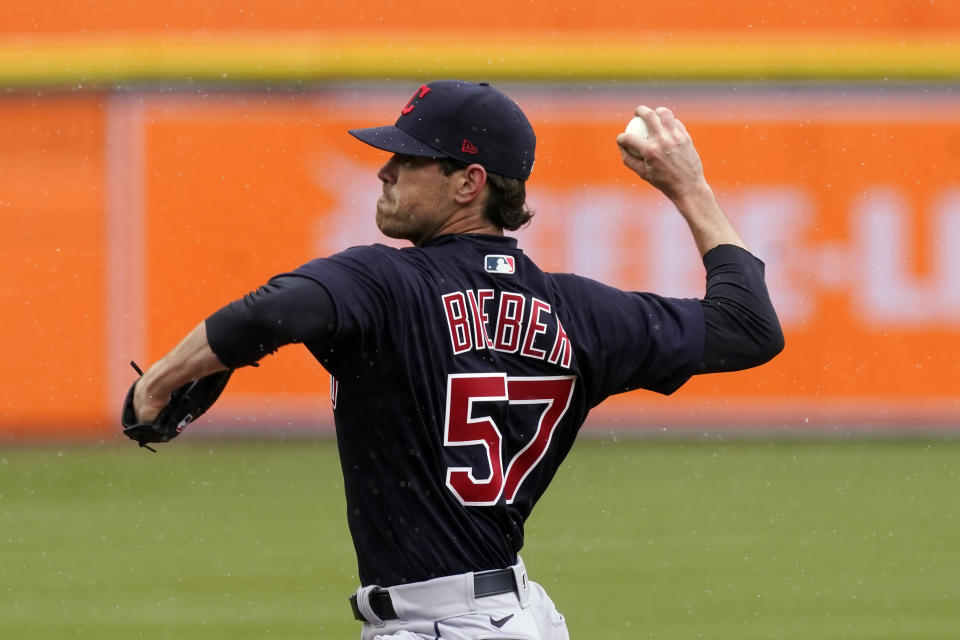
[584, 57]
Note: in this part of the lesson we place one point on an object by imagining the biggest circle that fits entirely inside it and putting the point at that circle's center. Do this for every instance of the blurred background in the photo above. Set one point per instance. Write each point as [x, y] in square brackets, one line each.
[160, 159]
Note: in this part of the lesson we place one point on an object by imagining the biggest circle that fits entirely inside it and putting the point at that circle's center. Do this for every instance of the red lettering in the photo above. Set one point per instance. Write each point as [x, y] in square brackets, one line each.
[535, 327]
[508, 322]
[561, 348]
[471, 328]
[463, 429]
[456, 309]
[480, 317]
[555, 395]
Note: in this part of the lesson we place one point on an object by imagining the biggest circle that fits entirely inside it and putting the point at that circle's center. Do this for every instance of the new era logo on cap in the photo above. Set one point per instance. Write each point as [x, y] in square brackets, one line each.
[500, 264]
[469, 147]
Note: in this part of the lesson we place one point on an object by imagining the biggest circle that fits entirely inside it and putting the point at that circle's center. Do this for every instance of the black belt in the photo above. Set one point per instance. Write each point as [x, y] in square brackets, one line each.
[485, 583]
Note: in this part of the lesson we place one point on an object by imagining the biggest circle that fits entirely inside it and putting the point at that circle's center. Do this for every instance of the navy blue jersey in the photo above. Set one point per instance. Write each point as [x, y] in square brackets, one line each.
[462, 373]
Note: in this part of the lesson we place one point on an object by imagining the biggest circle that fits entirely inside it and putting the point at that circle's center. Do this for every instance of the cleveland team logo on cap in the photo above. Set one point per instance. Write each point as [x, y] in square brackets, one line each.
[500, 264]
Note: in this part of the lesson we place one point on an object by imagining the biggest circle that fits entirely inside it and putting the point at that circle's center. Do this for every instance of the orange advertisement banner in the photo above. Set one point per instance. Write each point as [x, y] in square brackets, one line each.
[170, 206]
[52, 262]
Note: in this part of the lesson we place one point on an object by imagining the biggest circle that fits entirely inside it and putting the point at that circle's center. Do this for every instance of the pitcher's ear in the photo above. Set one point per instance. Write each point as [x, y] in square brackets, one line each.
[473, 179]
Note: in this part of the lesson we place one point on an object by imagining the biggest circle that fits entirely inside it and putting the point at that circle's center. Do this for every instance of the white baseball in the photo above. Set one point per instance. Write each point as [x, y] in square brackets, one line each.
[637, 127]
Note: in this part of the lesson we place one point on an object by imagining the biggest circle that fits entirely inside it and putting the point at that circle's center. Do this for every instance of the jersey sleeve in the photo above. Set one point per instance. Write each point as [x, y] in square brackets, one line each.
[362, 283]
[285, 310]
[327, 300]
[742, 328]
[635, 340]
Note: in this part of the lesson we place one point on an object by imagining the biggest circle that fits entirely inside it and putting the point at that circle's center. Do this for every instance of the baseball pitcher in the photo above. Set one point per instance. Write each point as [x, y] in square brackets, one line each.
[462, 371]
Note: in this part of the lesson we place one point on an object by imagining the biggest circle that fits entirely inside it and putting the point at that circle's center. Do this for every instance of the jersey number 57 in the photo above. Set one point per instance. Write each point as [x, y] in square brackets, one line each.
[461, 428]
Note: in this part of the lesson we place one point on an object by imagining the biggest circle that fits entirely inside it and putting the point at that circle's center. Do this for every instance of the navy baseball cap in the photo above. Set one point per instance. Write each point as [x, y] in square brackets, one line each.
[470, 122]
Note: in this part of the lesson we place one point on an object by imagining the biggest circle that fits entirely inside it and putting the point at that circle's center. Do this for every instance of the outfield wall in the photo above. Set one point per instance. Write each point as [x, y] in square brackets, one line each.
[128, 217]
[129, 212]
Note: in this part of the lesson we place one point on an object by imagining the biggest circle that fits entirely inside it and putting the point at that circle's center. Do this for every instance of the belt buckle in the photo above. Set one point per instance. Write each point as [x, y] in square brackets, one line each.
[380, 603]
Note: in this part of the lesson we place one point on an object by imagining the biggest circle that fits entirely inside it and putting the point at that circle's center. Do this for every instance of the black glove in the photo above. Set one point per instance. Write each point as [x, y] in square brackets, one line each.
[187, 403]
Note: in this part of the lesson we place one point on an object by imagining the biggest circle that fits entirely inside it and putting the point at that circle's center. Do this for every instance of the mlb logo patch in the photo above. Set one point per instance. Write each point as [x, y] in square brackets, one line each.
[500, 264]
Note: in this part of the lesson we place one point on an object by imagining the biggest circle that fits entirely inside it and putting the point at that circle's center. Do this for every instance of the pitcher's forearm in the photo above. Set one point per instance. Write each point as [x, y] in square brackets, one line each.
[191, 359]
[708, 224]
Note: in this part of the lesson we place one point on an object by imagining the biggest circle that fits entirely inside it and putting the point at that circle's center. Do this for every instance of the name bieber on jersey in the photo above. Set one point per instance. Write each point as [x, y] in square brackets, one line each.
[522, 324]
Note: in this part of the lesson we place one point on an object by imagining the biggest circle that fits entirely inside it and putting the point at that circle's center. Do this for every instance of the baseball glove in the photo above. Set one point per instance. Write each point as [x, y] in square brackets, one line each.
[187, 403]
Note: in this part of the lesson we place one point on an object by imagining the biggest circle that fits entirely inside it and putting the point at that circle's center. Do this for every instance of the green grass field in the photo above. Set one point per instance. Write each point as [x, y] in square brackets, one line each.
[669, 539]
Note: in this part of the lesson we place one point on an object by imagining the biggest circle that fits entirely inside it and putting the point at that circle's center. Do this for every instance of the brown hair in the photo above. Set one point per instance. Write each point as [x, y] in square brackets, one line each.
[506, 204]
